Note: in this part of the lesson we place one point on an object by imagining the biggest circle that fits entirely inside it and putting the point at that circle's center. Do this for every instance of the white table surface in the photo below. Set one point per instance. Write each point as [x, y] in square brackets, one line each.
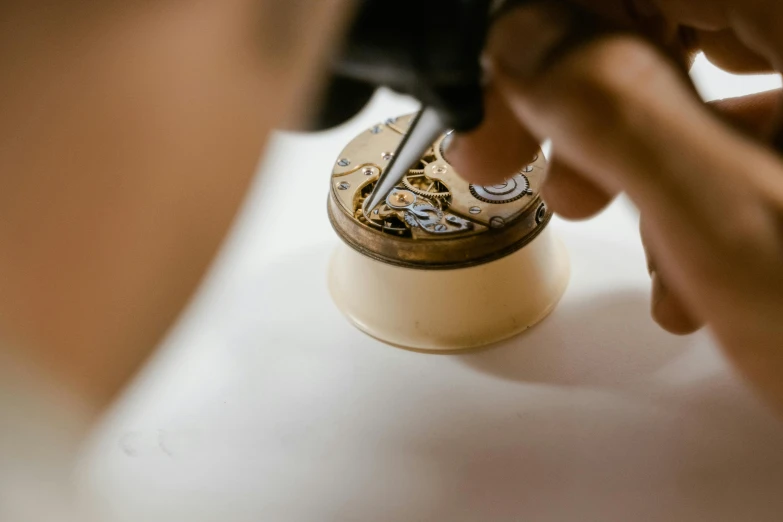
[265, 404]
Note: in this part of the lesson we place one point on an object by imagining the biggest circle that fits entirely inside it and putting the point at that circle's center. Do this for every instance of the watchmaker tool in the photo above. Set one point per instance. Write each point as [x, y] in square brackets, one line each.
[431, 50]
[424, 128]
[437, 61]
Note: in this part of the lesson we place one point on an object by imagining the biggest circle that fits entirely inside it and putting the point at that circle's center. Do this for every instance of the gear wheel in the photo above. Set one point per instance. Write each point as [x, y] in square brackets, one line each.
[506, 192]
[417, 181]
[421, 185]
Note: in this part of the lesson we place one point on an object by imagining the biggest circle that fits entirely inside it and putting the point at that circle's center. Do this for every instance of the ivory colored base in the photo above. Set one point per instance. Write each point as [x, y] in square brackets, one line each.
[450, 310]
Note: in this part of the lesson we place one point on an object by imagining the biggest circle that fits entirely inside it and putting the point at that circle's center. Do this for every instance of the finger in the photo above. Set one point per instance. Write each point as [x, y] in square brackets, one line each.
[497, 149]
[572, 195]
[667, 308]
[757, 24]
[622, 113]
[754, 114]
[723, 49]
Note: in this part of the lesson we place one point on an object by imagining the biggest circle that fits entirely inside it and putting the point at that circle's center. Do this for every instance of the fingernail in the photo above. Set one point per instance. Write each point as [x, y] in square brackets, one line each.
[650, 263]
[657, 299]
[659, 290]
[669, 311]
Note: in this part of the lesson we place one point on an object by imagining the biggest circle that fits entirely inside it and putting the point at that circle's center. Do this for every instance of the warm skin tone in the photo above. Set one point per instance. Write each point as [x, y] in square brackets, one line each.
[129, 134]
[130, 131]
[622, 118]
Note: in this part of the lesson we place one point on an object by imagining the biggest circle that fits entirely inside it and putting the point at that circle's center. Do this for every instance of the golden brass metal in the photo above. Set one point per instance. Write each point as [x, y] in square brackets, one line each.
[433, 219]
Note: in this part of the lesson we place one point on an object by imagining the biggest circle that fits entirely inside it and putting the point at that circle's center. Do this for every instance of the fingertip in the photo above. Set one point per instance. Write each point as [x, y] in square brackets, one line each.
[474, 163]
[755, 114]
[497, 149]
[668, 310]
[571, 195]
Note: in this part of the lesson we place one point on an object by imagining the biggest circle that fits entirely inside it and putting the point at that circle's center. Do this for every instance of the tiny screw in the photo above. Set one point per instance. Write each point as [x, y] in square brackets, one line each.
[376, 129]
[344, 185]
[529, 168]
[344, 162]
[541, 213]
[497, 222]
[387, 155]
[390, 120]
[375, 211]
[440, 227]
[452, 219]
[475, 210]
[368, 171]
[440, 169]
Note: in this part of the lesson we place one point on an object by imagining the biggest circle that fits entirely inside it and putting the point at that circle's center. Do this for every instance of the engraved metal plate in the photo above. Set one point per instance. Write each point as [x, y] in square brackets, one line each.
[433, 218]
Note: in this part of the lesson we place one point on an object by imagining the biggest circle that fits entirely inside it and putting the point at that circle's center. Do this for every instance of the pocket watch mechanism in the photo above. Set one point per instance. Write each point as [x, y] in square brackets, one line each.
[419, 202]
[417, 181]
[471, 223]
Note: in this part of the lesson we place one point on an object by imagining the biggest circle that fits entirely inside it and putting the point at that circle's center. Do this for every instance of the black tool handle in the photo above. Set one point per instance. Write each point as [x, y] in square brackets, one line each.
[429, 49]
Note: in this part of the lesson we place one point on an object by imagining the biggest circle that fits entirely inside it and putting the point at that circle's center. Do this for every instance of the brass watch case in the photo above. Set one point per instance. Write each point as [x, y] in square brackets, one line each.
[434, 219]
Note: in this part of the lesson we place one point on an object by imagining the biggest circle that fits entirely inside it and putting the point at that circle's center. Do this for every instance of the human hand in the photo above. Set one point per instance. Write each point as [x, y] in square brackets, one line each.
[621, 117]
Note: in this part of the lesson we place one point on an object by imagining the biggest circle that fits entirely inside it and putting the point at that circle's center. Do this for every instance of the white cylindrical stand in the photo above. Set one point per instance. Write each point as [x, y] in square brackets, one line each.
[450, 310]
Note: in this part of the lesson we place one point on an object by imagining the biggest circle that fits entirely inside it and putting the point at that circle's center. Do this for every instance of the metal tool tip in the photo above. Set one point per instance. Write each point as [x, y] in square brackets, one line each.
[375, 199]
